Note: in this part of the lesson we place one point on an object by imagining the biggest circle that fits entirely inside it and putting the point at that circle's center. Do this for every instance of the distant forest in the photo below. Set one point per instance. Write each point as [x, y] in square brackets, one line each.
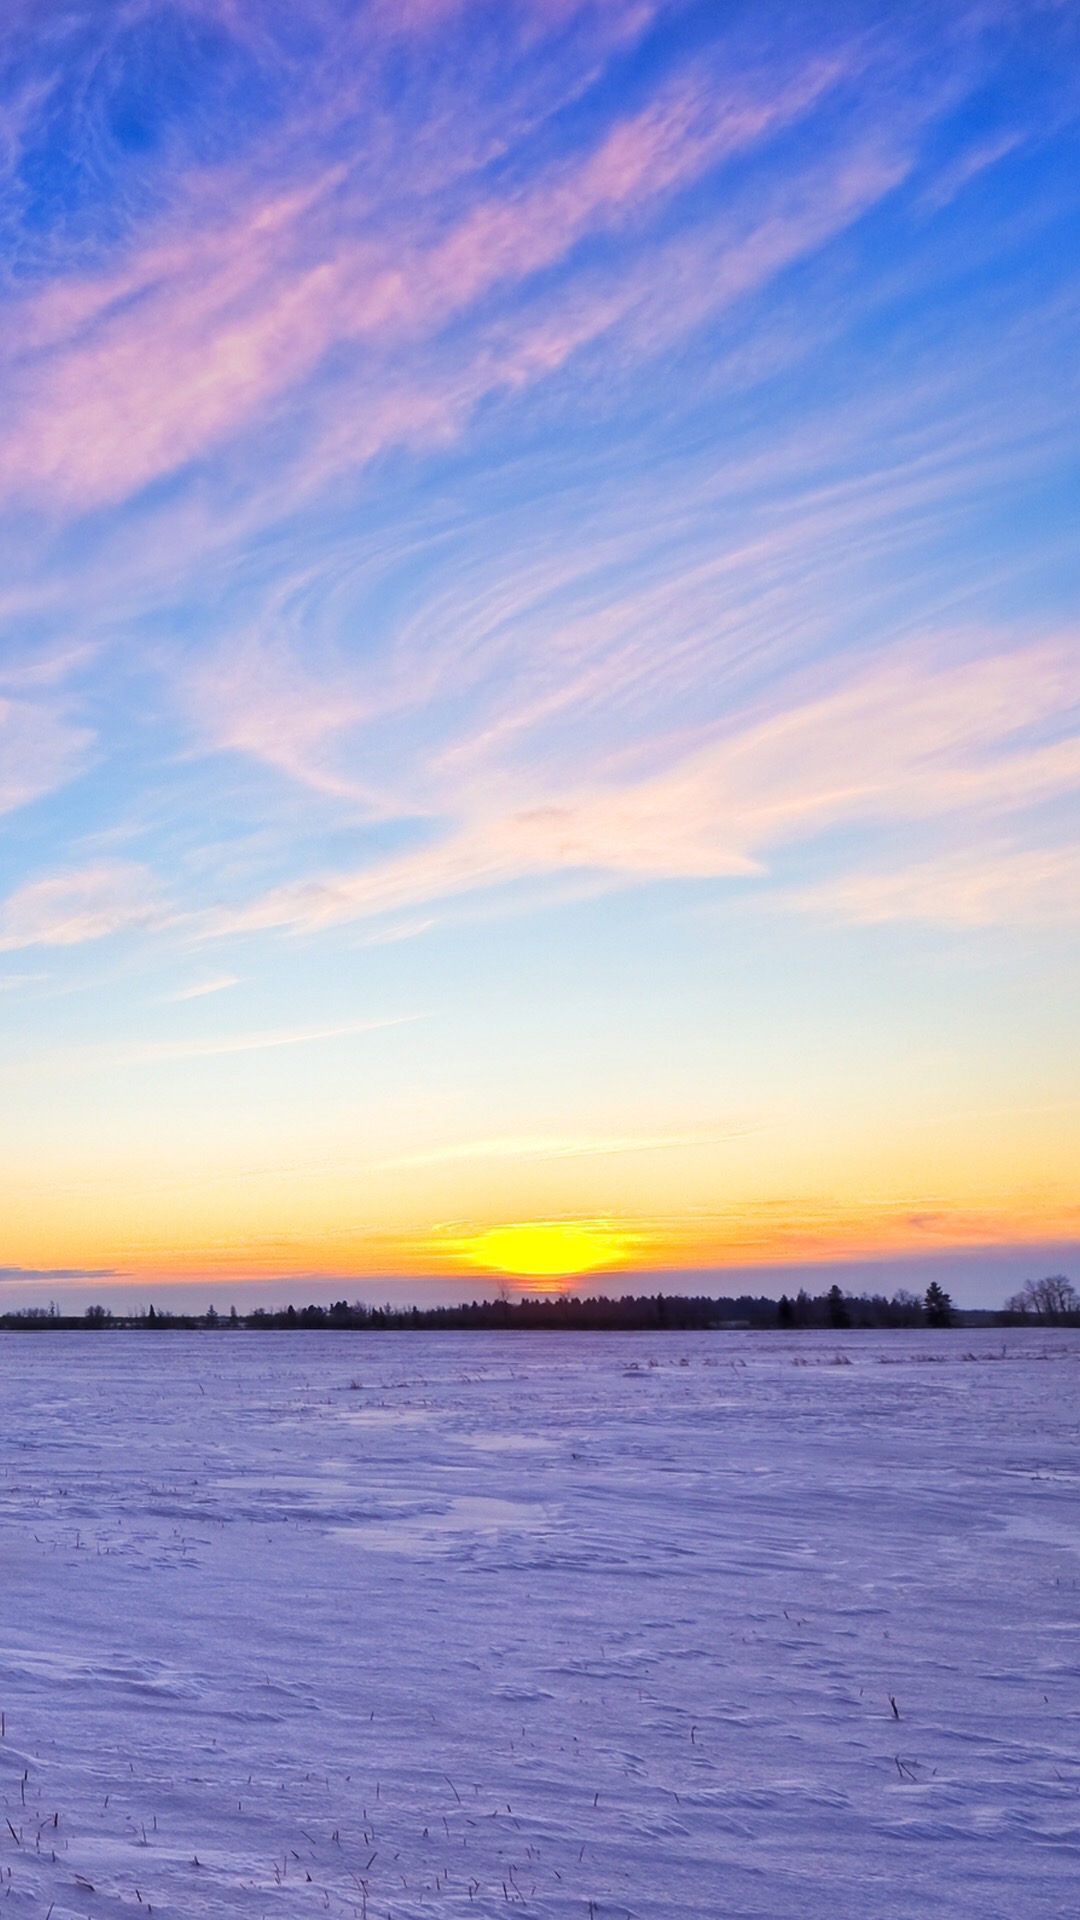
[1050, 1302]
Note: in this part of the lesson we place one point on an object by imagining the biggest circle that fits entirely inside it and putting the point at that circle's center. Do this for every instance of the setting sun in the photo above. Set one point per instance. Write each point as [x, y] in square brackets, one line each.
[547, 1248]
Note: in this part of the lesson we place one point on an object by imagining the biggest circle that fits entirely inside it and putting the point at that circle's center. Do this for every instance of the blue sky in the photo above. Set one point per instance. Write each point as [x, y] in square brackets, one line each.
[539, 683]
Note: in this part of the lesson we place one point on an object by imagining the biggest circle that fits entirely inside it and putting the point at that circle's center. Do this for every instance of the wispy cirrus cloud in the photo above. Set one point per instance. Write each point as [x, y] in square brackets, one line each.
[13, 1276]
[40, 749]
[216, 1047]
[202, 988]
[119, 380]
[88, 903]
[106, 1056]
[591, 631]
[904, 741]
[989, 885]
[542, 1147]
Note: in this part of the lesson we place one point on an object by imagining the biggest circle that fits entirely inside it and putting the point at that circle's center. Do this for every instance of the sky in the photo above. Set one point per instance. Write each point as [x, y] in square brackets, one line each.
[539, 667]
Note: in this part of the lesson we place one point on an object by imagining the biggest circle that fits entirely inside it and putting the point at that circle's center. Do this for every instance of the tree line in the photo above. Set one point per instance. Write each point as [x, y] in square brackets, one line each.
[1052, 1301]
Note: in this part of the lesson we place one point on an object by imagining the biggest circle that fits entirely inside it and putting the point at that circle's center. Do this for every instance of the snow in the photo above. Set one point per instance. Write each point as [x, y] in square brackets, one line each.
[425, 1624]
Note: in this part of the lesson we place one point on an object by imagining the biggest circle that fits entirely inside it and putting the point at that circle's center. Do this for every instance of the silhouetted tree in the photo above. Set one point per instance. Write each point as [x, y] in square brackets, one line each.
[837, 1308]
[785, 1312]
[937, 1306]
[1054, 1299]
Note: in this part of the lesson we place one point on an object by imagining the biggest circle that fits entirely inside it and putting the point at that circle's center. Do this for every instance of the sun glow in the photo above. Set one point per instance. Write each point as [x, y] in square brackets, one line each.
[546, 1249]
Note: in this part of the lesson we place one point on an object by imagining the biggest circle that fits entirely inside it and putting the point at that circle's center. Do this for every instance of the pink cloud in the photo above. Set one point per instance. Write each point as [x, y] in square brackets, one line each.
[131, 376]
[668, 144]
[39, 750]
[900, 742]
[982, 886]
[68, 908]
[151, 367]
[618, 18]
[256, 699]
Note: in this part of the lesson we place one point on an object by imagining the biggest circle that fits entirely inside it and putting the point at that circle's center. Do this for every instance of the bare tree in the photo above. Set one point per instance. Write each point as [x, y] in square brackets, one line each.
[1052, 1299]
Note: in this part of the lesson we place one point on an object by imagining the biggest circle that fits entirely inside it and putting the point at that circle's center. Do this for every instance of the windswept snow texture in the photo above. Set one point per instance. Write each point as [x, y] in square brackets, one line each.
[440, 1624]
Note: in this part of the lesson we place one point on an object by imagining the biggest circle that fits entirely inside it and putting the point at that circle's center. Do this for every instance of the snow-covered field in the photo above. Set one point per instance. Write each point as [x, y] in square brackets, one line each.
[591, 1625]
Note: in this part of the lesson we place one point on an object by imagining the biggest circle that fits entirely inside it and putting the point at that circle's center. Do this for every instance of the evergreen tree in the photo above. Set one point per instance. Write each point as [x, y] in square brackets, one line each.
[937, 1306]
[837, 1306]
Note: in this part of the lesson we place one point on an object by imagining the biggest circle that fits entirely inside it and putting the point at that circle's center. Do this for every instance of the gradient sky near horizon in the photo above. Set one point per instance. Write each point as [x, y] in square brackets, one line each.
[539, 677]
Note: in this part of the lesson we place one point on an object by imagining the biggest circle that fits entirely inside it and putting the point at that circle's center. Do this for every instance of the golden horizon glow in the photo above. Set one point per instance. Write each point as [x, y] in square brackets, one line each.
[545, 1249]
[759, 1233]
